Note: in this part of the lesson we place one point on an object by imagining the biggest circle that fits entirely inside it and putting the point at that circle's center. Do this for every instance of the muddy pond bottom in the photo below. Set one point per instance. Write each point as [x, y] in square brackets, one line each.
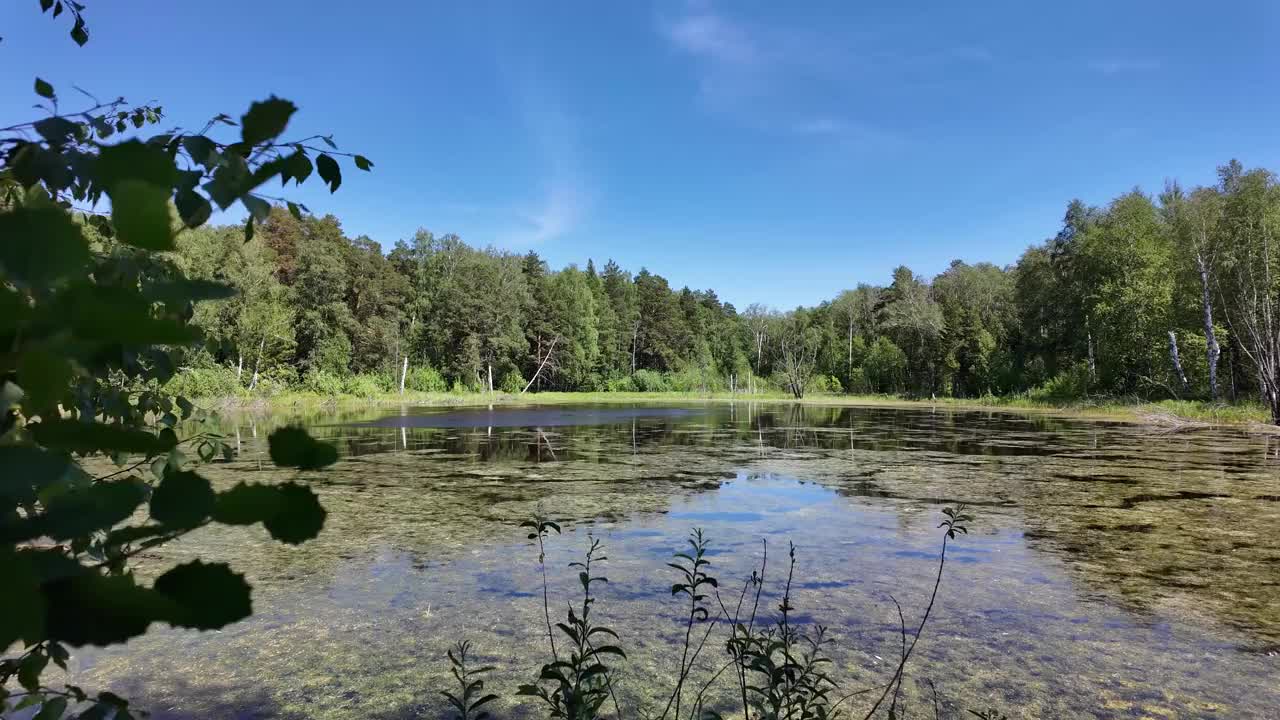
[1108, 571]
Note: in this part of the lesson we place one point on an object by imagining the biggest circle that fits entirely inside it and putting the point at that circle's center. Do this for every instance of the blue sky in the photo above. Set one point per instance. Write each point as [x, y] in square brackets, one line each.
[775, 152]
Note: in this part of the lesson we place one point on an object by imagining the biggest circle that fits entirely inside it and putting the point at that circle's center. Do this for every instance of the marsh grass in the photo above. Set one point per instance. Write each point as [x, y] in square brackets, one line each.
[780, 667]
[1132, 409]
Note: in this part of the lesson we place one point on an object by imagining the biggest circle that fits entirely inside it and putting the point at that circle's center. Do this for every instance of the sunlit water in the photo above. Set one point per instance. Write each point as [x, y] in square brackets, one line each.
[1110, 571]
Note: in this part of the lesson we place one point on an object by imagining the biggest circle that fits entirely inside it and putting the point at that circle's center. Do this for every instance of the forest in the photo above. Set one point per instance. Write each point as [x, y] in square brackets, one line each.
[1171, 296]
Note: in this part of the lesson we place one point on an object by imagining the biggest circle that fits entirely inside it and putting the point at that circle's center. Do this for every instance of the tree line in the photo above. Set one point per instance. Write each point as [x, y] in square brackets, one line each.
[1173, 295]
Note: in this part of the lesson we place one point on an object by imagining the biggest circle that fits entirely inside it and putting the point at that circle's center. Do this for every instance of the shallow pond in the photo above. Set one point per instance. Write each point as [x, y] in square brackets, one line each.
[1110, 570]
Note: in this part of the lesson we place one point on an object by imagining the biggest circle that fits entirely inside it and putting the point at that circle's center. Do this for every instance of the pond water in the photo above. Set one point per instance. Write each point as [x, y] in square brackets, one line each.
[1110, 570]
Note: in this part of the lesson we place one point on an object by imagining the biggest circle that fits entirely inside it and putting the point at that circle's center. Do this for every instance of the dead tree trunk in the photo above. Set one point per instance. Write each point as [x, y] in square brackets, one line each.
[1177, 364]
[635, 337]
[541, 365]
[239, 366]
[1211, 338]
[404, 371]
[490, 368]
[258, 362]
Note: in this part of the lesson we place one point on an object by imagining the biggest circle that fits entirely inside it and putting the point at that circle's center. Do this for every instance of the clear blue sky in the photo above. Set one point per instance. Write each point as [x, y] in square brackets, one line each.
[771, 152]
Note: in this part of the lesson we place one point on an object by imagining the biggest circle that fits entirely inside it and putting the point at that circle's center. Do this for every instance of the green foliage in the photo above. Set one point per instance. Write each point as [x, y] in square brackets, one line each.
[1071, 384]
[650, 381]
[470, 696]
[780, 668]
[204, 382]
[96, 318]
[425, 379]
[512, 382]
[323, 382]
[364, 385]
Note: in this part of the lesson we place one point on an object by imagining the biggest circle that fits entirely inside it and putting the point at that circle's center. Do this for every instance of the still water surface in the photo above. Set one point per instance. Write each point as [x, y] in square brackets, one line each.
[1110, 571]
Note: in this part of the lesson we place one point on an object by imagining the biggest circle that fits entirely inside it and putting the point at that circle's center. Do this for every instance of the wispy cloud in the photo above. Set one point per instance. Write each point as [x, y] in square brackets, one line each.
[1115, 66]
[792, 80]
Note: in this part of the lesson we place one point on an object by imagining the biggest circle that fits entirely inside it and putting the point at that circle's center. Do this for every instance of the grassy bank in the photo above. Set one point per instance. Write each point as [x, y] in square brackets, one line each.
[1164, 412]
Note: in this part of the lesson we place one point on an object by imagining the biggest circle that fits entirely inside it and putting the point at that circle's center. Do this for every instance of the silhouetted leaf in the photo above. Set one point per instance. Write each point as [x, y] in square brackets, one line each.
[86, 437]
[27, 470]
[93, 609]
[182, 500]
[329, 171]
[40, 247]
[52, 709]
[294, 447]
[193, 208]
[290, 512]
[258, 208]
[201, 149]
[44, 89]
[207, 596]
[363, 163]
[265, 120]
[44, 377]
[82, 510]
[300, 516]
[23, 615]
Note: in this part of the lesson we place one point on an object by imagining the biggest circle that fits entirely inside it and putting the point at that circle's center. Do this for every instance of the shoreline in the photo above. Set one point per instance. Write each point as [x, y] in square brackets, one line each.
[1168, 415]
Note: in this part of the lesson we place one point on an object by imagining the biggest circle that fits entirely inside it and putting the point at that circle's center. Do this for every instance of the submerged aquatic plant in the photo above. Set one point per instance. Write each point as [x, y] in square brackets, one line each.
[780, 668]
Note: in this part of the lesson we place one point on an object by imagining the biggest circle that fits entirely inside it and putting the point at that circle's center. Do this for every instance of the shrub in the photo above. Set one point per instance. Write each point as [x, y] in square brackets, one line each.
[209, 382]
[323, 382]
[512, 383]
[1070, 384]
[363, 385]
[425, 379]
[619, 384]
[650, 381]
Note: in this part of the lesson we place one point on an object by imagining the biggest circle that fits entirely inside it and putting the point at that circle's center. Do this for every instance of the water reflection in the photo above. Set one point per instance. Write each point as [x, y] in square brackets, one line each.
[1114, 572]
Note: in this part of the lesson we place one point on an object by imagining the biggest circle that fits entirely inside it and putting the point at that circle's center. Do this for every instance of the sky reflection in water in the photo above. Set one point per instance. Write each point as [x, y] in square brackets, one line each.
[1110, 572]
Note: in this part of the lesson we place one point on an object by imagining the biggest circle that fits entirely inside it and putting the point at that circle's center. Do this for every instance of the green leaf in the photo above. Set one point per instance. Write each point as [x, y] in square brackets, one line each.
[44, 378]
[27, 470]
[52, 709]
[193, 208]
[135, 160]
[44, 89]
[294, 447]
[290, 512]
[258, 208]
[201, 149]
[363, 163]
[189, 290]
[248, 229]
[93, 609]
[57, 130]
[182, 500]
[298, 166]
[30, 669]
[119, 315]
[40, 247]
[295, 211]
[21, 609]
[208, 595]
[87, 437]
[329, 171]
[140, 212]
[265, 120]
[79, 33]
[84, 510]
